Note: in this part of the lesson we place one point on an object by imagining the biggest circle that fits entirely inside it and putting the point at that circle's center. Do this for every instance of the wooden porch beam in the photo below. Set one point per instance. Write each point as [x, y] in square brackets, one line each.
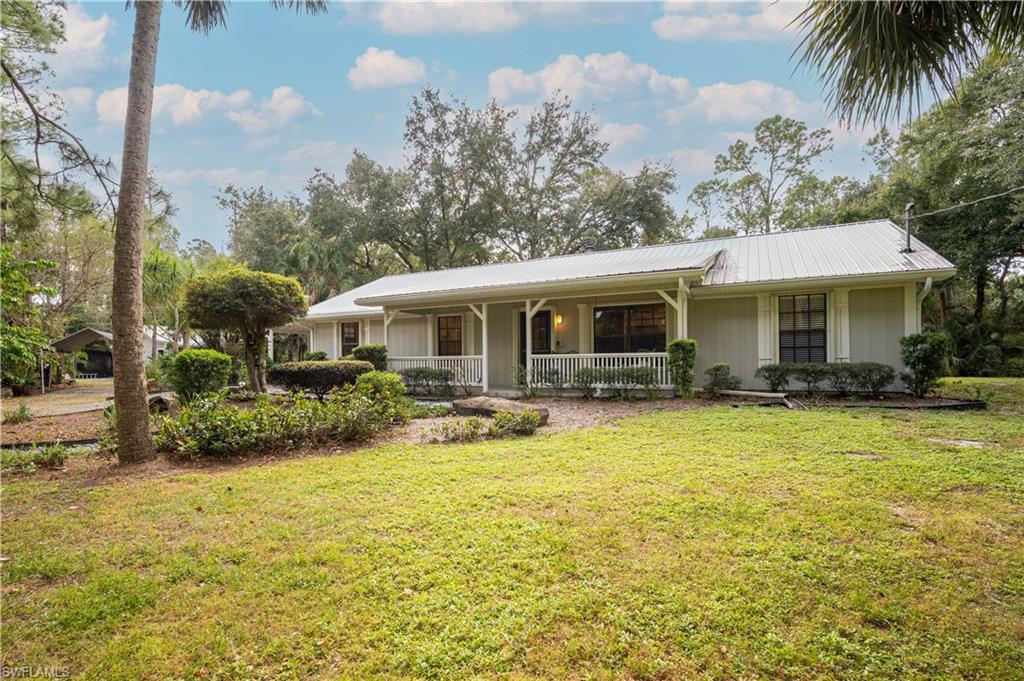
[479, 314]
[532, 311]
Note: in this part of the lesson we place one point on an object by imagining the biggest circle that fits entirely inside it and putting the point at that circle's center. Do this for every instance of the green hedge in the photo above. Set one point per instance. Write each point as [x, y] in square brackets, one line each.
[318, 377]
[718, 377]
[840, 377]
[429, 381]
[315, 356]
[377, 355]
[193, 373]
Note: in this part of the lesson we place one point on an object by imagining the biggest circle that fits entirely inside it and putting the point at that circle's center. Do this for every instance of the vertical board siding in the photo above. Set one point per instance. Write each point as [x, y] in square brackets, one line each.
[726, 331]
[876, 325]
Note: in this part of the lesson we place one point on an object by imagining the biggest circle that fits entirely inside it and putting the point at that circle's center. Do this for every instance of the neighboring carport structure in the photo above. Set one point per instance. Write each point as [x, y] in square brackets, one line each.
[99, 362]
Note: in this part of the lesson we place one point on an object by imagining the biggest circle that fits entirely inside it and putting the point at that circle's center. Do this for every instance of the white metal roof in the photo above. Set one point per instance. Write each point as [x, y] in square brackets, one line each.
[850, 250]
[343, 305]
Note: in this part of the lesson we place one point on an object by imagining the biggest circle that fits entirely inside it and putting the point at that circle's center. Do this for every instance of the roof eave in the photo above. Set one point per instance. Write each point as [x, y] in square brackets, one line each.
[533, 288]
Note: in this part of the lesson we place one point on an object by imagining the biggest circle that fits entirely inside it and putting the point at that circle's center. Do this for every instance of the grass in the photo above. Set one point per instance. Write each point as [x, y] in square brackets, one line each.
[715, 543]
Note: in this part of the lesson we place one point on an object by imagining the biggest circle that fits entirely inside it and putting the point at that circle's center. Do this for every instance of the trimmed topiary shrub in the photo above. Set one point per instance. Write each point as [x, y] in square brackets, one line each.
[315, 356]
[719, 377]
[925, 357]
[682, 355]
[193, 373]
[377, 355]
[318, 378]
[775, 375]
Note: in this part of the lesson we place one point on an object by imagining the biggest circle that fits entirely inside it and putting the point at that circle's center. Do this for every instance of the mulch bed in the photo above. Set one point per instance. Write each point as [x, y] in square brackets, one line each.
[88, 425]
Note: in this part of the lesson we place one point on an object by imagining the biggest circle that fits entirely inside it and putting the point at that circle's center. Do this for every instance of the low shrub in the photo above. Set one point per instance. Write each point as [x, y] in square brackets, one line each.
[527, 384]
[385, 388]
[27, 460]
[507, 424]
[585, 381]
[776, 376]
[811, 374]
[1013, 368]
[682, 355]
[842, 377]
[375, 354]
[719, 377]
[315, 356]
[198, 372]
[458, 430]
[625, 380]
[19, 414]
[208, 427]
[553, 378]
[429, 381]
[925, 357]
[873, 377]
[418, 410]
[317, 377]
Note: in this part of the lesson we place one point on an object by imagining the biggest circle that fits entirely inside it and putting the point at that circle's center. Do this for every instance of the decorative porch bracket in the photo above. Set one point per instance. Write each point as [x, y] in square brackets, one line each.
[680, 305]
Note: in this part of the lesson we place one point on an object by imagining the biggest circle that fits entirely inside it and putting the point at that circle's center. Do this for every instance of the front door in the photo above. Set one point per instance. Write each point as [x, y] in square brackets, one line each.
[541, 334]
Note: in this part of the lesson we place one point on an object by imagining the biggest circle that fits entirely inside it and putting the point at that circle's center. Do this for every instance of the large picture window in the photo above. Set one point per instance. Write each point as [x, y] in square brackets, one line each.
[802, 332]
[349, 337]
[629, 328]
[449, 335]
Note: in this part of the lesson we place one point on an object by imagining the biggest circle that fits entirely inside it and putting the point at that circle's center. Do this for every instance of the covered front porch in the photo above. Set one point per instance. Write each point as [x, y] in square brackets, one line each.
[486, 346]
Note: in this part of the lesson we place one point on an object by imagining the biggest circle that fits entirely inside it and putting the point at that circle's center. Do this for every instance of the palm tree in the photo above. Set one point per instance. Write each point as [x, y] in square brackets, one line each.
[130, 400]
[162, 280]
[877, 58]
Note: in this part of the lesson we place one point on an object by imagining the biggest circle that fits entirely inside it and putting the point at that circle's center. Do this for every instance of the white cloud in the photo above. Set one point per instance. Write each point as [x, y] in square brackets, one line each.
[618, 135]
[384, 68]
[761, 22]
[311, 152]
[178, 102]
[214, 176]
[693, 161]
[76, 98]
[284, 105]
[597, 76]
[411, 18]
[731, 102]
[84, 47]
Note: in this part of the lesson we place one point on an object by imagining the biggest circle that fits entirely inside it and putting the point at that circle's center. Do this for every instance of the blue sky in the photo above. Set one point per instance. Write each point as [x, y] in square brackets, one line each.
[275, 94]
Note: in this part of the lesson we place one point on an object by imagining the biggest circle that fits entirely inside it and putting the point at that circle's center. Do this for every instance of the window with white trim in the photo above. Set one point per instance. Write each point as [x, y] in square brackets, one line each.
[349, 337]
[802, 328]
[449, 335]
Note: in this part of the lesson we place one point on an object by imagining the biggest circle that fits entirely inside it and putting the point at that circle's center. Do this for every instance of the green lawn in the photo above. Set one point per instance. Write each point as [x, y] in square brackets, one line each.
[719, 543]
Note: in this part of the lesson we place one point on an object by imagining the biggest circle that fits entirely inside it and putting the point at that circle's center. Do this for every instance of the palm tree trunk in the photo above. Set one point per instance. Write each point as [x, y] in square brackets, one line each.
[130, 399]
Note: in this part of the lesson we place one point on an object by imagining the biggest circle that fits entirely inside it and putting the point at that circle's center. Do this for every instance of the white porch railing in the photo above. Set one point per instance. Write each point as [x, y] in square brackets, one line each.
[465, 368]
[568, 365]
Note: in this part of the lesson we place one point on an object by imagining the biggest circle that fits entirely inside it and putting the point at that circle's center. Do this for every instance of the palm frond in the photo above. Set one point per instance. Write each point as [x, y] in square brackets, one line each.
[203, 16]
[878, 58]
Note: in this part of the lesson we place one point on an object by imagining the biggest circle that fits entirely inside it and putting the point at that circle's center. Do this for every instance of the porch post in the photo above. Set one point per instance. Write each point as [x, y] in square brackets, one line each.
[486, 368]
[841, 307]
[765, 351]
[584, 324]
[335, 344]
[430, 335]
[527, 329]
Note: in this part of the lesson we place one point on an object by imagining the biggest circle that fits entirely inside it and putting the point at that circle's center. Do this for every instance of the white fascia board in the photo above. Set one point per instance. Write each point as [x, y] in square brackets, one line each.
[546, 288]
[848, 280]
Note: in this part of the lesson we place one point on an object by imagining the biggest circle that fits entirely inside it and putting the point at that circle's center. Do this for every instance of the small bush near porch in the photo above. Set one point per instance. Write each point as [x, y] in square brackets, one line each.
[714, 542]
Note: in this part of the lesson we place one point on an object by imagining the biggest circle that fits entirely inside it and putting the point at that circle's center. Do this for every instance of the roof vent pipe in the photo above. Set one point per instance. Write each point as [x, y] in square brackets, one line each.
[589, 243]
[906, 222]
